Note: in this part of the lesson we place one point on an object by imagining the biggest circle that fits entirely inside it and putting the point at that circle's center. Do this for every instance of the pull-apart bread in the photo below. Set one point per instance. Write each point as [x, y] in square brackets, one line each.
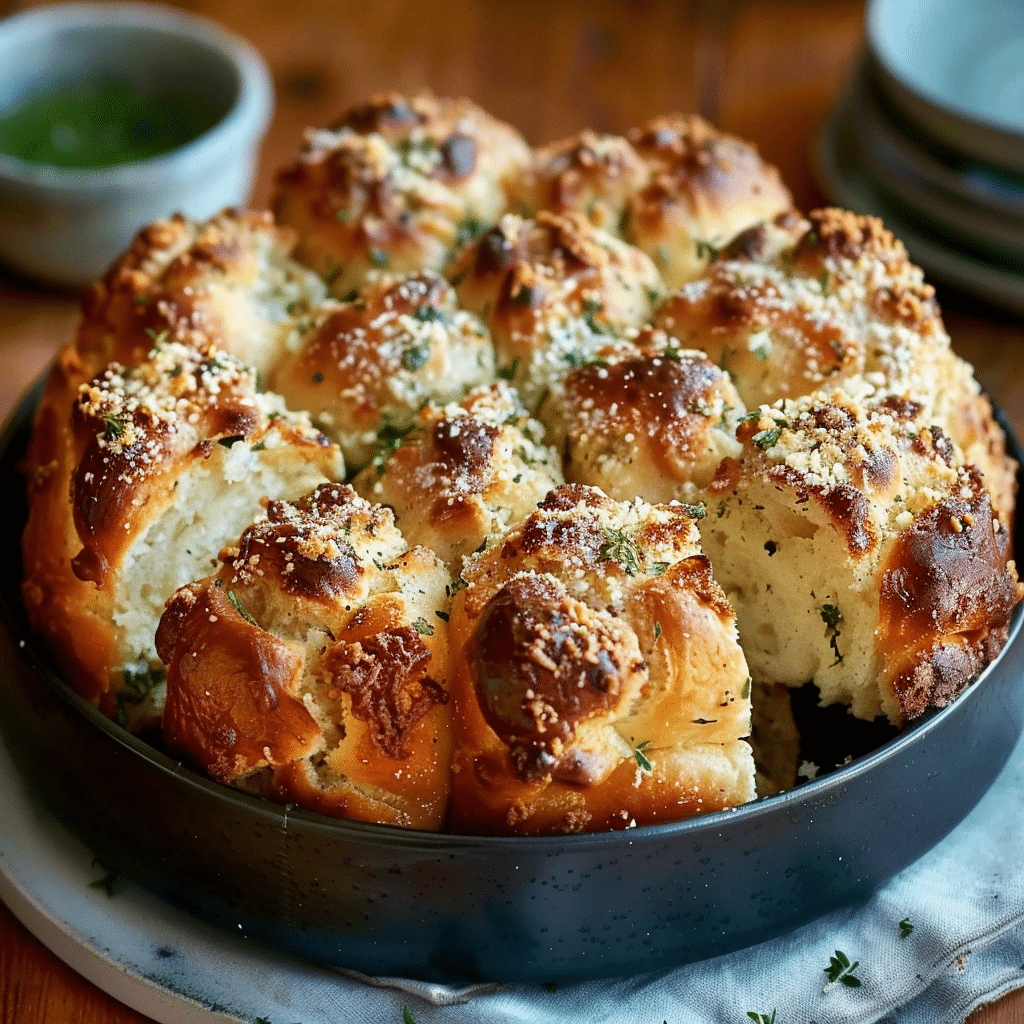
[513, 491]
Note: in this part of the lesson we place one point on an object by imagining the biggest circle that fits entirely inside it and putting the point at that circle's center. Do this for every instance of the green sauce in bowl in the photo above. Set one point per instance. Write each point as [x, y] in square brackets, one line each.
[102, 125]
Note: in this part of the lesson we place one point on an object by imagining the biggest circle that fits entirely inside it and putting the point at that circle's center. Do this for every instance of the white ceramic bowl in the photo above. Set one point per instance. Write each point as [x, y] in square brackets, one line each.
[956, 71]
[66, 225]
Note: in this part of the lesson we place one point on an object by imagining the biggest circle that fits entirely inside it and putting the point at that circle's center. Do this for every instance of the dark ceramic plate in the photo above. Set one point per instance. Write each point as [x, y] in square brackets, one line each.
[386, 901]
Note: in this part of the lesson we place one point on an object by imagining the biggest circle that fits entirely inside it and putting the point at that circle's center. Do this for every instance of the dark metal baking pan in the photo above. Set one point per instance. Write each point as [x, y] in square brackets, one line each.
[386, 901]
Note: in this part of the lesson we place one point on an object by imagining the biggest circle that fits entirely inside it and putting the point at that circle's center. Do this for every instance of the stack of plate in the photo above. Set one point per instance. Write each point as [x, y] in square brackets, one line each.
[929, 135]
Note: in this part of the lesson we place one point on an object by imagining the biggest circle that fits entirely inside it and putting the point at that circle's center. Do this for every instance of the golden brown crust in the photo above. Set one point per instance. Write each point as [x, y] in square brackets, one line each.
[839, 517]
[319, 637]
[800, 305]
[551, 290]
[364, 367]
[856, 516]
[945, 601]
[464, 473]
[227, 281]
[232, 706]
[589, 173]
[644, 418]
[398, 183]
[133, 443]
[590, 633]
[704, 188]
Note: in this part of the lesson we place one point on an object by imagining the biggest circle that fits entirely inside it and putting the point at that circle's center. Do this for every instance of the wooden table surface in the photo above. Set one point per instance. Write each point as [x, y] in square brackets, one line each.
[764, 69]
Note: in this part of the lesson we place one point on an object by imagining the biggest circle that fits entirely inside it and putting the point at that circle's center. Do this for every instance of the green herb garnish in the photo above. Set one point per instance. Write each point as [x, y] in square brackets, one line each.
[832, 616]
[905, 927]
[841, 970]
[391, 437]
[591, 309]
[761, 1018]
[114, 426]
[137, 687]
[111, 882]
[620, 548]
[509, 372]
[641, 758]
[423, 627]
[415, 357]
[238, 606]
[705, 250]
[467, 230]
[765, 439]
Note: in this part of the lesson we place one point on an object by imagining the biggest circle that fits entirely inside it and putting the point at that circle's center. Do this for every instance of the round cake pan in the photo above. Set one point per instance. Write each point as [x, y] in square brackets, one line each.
[447, 908]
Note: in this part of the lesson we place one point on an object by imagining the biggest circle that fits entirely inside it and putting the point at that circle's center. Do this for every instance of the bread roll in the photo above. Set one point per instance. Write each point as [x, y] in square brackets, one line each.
[229, 281]
[164, 464]
[596, 679]
[704, 188]
[858, 552]
[398, 183]
[465, 473]
[594, 174]
[799, 305]
[676, 188]
[363, 368]
[552, 290]
[644, 418]
[312, 665]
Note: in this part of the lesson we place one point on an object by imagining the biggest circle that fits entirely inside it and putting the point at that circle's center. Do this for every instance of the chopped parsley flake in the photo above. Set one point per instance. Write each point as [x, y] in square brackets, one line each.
[467, 230]
[620, 548]
[240, 608]
[416, 356]
[113, 427]
[429, 314]
[111, 882]
[905, 927]
[841, 970]
[391, 437]
[509, 372]
[591, 309]
[137, 687]
[705, 250]
[832, 616]
[423, 627]
[765, 439]
[641, 758]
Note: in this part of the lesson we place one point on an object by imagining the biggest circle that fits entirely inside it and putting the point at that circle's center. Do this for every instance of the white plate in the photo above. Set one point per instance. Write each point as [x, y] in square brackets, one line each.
[848, 184]
[937, 193]
[957, 70]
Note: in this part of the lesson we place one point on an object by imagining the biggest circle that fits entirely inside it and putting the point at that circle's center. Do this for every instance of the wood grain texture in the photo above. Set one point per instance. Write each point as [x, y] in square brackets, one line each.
[764, 69]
